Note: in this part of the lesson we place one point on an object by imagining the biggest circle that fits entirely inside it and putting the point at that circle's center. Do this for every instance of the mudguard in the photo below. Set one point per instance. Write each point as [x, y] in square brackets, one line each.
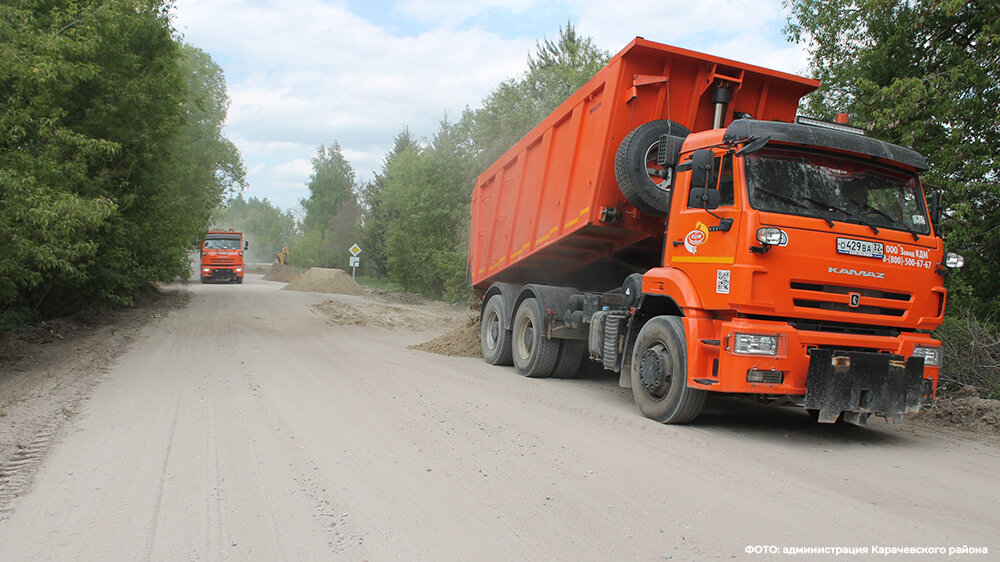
[859, 384]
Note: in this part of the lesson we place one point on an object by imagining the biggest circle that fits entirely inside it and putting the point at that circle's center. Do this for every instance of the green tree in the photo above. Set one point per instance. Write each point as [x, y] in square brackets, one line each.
[332, 212]
[111, 156]
[267, 228]
[922, 73]
[376, 217]
[427, 192]
[556, 70]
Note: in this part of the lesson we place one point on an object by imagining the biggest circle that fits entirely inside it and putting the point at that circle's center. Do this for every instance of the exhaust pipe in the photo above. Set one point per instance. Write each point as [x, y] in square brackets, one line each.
[721, 101]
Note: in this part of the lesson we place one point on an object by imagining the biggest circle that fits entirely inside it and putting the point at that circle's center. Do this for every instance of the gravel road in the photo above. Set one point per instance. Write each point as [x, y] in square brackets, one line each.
[247, 426]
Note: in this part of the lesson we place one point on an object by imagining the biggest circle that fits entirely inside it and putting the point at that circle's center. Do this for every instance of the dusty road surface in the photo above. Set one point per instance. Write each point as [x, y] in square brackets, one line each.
[248, 426]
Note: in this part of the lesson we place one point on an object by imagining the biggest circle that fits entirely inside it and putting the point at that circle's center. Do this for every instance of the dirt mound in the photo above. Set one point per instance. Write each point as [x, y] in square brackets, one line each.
[257, 270]
[396, 296]
[282, 274]
[428, 317]
[322, 280]
[460, 342]
[966, 410]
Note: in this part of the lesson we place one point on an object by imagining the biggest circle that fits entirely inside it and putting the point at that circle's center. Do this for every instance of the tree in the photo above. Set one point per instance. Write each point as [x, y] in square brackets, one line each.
[427, 192]
[922, 73]
[266, 227]
[515, 106]
[111, 154]
[376, 217]
[332, 213]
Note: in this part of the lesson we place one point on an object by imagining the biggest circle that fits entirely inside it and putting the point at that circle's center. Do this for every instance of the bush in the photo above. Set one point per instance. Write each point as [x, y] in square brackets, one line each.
[971, 355]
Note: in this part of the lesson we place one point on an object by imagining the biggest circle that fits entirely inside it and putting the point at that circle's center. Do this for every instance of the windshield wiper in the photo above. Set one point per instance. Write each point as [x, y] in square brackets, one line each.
[882, 213]
[791, 201]
[831, 207]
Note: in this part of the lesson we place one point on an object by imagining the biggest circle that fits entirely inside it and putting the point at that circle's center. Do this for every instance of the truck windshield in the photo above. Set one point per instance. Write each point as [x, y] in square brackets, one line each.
[222, 244]
[835, 188]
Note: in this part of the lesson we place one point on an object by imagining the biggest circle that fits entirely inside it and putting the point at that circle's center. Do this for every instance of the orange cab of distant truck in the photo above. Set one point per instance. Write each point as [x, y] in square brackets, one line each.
[676, 222]
[222, 256]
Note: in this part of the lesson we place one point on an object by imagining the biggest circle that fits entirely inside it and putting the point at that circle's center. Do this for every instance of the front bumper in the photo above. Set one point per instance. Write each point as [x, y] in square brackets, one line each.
[221, 273]
[831, 372]
[858, 384]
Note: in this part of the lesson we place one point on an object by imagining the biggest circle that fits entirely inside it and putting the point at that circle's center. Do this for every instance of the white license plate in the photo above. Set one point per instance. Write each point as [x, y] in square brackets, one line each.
[863, 248]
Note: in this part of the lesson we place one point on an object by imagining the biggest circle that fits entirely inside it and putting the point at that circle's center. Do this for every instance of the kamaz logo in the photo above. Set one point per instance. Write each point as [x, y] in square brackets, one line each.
[857, 272]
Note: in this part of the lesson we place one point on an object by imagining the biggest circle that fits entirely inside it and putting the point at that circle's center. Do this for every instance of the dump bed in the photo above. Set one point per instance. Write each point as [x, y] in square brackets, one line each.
[543, 212]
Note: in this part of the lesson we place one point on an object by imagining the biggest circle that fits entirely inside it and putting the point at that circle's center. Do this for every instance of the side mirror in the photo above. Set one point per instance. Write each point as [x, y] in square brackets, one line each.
[936, 209]
[701, 165]
[702, 198]
[246, 245]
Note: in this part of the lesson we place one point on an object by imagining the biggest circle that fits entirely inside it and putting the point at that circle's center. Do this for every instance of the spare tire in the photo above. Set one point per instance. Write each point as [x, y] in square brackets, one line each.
[635, 160]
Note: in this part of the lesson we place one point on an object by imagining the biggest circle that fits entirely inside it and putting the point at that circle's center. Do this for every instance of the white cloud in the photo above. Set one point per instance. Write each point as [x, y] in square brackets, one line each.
[307, 72]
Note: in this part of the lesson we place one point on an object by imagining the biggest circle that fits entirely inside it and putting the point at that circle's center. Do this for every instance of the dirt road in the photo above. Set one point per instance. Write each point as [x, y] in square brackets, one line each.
[248, 426]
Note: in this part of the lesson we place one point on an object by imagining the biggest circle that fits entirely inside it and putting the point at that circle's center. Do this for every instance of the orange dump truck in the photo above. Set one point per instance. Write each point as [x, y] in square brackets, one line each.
[676, 222]
[222, 256]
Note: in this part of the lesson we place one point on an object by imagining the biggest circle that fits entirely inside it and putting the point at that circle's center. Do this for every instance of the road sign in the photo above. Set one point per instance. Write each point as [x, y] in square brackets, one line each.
[355, 250]
[355, 261]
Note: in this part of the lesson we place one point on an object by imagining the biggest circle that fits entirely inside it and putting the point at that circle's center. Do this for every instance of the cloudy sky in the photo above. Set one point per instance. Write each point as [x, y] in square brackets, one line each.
[302, 73]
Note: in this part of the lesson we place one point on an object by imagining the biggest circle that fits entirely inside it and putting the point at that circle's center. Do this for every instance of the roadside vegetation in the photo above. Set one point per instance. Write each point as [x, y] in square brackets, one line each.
[111, 153]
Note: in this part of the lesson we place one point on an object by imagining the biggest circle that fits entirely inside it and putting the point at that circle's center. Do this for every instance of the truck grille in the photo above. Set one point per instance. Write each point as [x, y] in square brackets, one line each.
[838, 298]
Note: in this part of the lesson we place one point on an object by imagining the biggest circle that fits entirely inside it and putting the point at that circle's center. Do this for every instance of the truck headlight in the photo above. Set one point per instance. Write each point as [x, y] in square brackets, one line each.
[755, 344]
[931, 355]
[770, 236]
[953, 260]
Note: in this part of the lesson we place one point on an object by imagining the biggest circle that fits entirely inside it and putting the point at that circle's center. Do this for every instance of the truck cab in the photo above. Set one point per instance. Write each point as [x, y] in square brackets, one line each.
[811, 265]
[222, 256]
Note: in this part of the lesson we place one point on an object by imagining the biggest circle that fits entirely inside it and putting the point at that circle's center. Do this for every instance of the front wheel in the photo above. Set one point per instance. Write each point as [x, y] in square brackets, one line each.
[659, 373]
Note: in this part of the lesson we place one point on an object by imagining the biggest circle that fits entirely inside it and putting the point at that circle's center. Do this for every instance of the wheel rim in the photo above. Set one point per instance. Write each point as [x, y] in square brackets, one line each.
[656, 371]
[653, 169]
[525, 338]
[492, 330]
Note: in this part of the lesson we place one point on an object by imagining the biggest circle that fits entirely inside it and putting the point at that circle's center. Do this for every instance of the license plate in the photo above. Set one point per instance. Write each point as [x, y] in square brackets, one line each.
[864, 248]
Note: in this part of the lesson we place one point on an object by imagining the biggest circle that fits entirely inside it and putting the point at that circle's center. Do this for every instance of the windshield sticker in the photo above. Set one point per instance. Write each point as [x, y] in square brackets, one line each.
[899, 255]
[919, 220]
[696, 238]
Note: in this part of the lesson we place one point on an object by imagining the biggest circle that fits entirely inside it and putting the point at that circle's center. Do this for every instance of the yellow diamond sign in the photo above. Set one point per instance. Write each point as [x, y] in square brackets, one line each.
[355, 250]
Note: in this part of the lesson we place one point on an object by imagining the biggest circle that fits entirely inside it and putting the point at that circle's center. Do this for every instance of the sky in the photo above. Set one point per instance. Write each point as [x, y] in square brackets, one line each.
[305, 73]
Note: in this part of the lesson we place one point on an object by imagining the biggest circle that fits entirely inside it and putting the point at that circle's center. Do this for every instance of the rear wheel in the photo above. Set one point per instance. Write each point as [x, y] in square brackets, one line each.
[659, 373]
[534, 354]
[494, 333]
[569, 358]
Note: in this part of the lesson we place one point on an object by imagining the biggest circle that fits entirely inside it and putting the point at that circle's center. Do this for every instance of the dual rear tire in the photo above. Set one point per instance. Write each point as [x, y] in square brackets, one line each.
[524, 344]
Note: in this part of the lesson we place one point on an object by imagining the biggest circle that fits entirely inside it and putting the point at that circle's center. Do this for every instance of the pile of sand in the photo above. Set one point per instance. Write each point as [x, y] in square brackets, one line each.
[966, 410]
[460, 342]
[322, 280]
[281, 273]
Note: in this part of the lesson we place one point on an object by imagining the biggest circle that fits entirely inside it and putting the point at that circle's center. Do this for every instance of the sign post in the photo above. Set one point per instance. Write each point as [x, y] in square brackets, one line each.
[355, 260]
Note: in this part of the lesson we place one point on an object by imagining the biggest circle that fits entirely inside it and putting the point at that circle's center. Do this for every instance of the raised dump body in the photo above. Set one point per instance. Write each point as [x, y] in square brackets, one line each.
[551, 206]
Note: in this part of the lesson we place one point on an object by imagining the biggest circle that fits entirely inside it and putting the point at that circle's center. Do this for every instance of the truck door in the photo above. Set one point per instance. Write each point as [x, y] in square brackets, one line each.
[703, 245]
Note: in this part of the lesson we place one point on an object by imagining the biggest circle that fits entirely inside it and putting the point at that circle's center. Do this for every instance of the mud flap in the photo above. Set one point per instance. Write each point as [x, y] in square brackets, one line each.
[859, 384]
